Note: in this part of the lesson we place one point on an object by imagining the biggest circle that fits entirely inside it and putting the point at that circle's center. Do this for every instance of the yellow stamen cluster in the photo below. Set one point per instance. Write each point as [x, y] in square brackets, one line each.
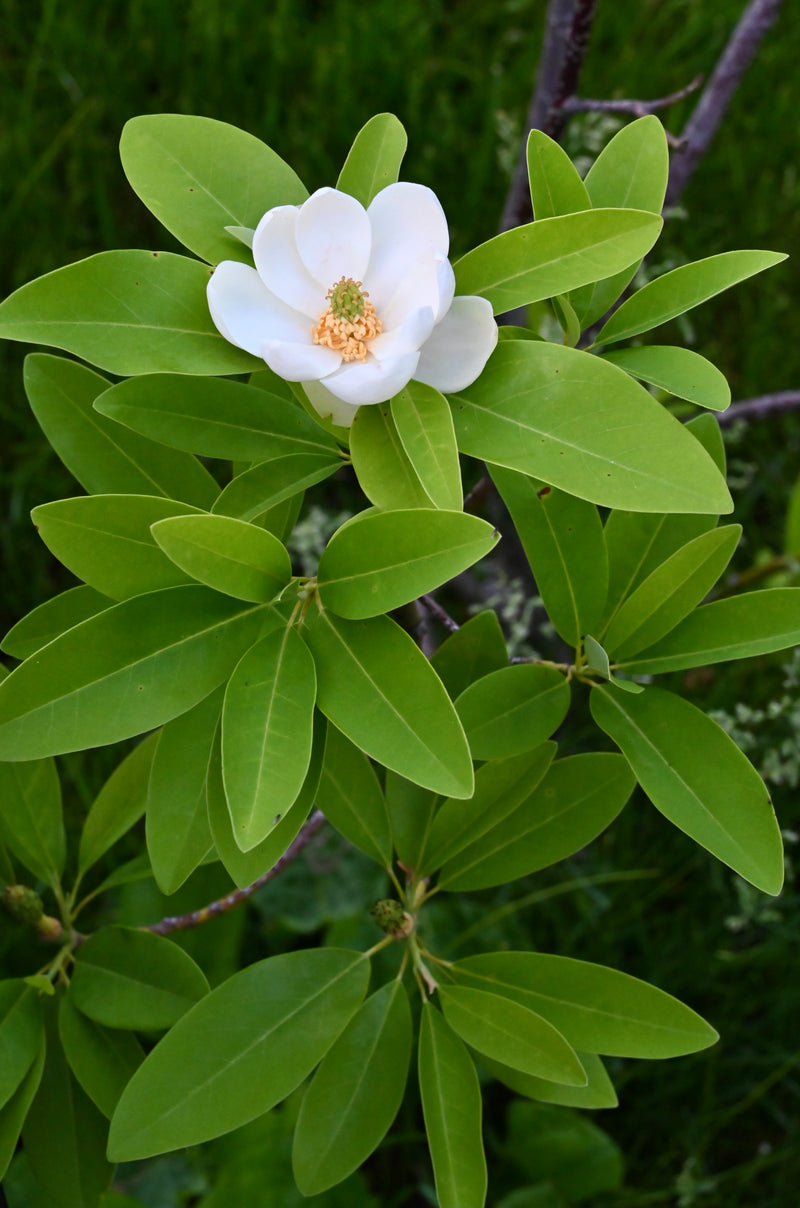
[349, 323]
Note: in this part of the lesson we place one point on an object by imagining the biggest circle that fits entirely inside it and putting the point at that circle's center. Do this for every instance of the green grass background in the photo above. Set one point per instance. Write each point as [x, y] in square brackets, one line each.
[718, 1129]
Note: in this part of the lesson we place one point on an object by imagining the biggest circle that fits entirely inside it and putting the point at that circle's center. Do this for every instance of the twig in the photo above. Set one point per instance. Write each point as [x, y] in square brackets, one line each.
[566, 38]
[182, 922]
[764, 404]
[756, 20]
[577, 104]
[436, 610]
[477, 496]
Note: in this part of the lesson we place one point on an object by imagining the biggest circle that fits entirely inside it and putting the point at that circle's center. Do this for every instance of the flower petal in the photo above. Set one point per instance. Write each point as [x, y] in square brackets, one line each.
[369, 382]
[459, 346]
[418, 286]
[299, 362]
[408, 225]
[246, 313]
[408, 337]
[328, 406]
[334, 237]
[280, 267]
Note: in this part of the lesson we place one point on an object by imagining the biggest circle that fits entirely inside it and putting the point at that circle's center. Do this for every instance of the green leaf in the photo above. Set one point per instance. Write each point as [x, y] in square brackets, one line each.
[578, 798]
[13, 1113]
[106, 541]
[241, 1050]
[102, 1059]
[501, 786]
[424, 424]
[64, 1135]
[378, 688]
[513, 710]
[598, 1009]
[233, 557]
[31, 822]
[735, 628]
[599, 1090]
[382, 466]
[198, 176]
[791, 540]
[119, 805]
[266, 733]
[411, 810]
[381, 560]
[451, 1105]
[125, 671]
[270, 483]
[374, 160]
[214, 417]
[104, 457]
[134, 979]
[583, 425]
[350, 797]
[697, 777]
[631, 170]
[563, 541]
[555, 255]
[682, 289]
[178, 837]
[128, 312]
[681, 371]
[556, 187]
[21, 1034]
[246, 867]
[356, 1092]
[474, 650]
[568, 1158]
[671, 591]
[511, 1033]
[52, 618]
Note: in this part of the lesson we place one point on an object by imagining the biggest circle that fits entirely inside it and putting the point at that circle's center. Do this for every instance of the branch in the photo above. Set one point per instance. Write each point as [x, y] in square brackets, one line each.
[577, 104]
[764, 404]
[436, 610]
[182, 922]
[566, 38]
[699, 131]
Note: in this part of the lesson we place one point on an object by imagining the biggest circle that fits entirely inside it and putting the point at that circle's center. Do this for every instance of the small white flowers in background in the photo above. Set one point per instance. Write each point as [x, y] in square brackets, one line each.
[354, 302]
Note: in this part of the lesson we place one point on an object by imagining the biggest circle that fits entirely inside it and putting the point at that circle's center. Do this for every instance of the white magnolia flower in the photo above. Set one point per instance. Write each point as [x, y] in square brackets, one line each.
[354, 303]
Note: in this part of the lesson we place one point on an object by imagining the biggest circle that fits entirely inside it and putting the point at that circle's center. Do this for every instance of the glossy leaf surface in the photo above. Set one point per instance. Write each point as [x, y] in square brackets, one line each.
[124, 671]
[581, 424]
[356, 1092]
[21, 1034]
[32, 823]
[266, 733]
[555, 255]
[451, 1105]
[245, 1047]
[697, 777]
[513, 710]
[102, 1059]
[198, 176]
[374, 160]
[52, 618]
[376, 686]
[474, 650]
[555, 184]
[128, 312]
[598, 1009]
[350, 797]
[511, 1033]
[235, 558]
[578, 798]
[119, 804]
[103, 456]
[381, 560]
[106, 541]
[424, 424]
[134, 979]
[382, 466]
[681, 371]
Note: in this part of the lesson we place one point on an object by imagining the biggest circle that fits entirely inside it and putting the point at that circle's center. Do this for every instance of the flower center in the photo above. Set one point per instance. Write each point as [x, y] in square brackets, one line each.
[349, 323]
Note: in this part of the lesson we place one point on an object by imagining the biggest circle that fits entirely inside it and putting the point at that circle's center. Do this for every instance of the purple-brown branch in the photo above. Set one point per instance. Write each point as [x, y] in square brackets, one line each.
[756, 20]
[764, 404]
[182, 922]
[568, 25]
[577, 104]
